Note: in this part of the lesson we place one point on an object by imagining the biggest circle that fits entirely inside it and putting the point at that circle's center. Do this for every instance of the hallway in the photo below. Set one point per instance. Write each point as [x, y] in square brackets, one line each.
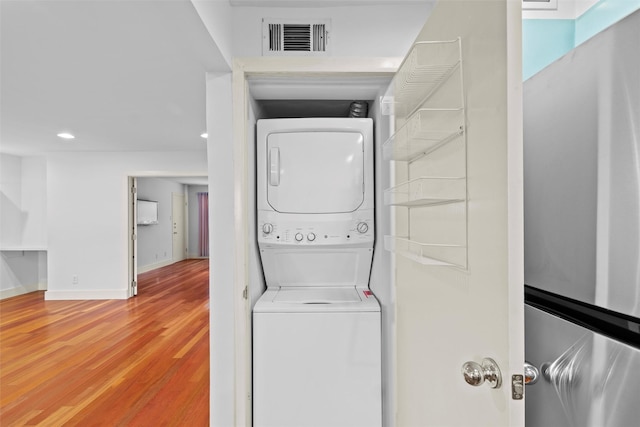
[137, 362]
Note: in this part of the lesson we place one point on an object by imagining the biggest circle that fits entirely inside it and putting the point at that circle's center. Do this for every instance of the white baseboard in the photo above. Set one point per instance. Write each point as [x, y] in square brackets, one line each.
[98, 294]
[149, 267]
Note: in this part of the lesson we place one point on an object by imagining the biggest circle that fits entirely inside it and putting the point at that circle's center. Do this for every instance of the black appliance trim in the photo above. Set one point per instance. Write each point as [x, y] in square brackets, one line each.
[615, 325]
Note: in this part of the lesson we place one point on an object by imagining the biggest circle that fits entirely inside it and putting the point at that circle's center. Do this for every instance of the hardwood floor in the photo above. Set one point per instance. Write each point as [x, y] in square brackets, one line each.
[137, 362]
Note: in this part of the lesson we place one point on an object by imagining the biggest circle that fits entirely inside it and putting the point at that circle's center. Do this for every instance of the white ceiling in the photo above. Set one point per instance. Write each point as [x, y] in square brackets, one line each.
[119, 75]
[319, 3]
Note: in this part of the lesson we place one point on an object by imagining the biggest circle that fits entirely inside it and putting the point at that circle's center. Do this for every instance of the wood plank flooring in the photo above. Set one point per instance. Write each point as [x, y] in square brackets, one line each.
[137, 362]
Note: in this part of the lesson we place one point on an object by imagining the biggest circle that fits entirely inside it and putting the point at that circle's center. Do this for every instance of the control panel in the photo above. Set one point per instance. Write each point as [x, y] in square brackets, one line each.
[276, 230]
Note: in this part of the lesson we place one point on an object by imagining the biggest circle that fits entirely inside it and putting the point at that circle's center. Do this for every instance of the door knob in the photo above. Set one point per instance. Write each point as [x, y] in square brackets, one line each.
[476, 374]
[531, 374]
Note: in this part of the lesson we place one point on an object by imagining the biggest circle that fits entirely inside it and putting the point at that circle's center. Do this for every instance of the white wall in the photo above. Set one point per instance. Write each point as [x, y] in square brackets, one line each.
[155, 242]
[355, 31]
[34, 201]
[222, 256]
[11, 200]
[23, 201]
[194, 228]
[22, 225]
[87, 217]
[216, 16]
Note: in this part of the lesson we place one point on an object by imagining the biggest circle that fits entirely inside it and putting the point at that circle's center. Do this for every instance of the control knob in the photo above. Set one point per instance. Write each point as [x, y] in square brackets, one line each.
[267, 228]
[299, 237]
[362, 227]
[311, 237]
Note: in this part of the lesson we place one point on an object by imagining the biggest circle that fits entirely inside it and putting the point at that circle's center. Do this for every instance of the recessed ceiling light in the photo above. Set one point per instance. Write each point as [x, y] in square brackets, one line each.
[65, 135]
[205, 135]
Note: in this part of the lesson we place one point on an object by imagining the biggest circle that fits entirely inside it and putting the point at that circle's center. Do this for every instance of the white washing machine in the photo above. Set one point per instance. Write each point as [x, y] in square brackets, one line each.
[316, 329]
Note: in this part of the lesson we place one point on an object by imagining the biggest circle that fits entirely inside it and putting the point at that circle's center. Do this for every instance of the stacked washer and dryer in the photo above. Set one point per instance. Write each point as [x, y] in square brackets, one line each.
[316, 329]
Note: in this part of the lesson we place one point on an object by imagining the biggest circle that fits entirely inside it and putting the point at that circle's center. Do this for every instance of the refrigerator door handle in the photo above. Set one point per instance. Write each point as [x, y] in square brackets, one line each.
[531, 374]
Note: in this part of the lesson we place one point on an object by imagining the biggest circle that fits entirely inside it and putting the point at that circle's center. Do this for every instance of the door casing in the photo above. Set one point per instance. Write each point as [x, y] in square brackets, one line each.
[132, 260]
[317, 68]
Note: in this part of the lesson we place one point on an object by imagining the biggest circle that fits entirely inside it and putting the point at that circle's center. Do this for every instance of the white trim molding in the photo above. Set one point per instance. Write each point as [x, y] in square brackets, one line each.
[270, 67]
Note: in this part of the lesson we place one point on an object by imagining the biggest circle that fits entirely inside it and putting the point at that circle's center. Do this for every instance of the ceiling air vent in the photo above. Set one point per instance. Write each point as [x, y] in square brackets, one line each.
[285, 37]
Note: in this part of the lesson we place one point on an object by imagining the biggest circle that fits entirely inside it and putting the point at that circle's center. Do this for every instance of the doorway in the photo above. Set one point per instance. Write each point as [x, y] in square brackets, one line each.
[179, 247]
[173, 235]
[259, 89]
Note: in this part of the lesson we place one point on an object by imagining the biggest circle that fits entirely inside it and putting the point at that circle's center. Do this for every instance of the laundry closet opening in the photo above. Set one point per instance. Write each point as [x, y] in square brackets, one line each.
[277, 97]
[168, 222]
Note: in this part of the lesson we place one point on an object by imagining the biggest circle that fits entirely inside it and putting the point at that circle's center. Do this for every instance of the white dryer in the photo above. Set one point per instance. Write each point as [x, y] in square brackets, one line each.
[316, 330]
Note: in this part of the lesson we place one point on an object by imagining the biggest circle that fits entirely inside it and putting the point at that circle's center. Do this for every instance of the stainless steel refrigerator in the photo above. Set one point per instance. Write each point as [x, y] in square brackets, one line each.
[582, 233]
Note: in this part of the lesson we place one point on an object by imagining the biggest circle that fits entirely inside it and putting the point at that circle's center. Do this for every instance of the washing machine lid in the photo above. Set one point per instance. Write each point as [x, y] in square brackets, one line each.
[320, 299]
[317, 295]
[315, 171]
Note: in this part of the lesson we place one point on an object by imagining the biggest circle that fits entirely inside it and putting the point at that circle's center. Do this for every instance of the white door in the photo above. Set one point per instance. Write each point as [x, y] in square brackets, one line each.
[459, 260]
[178, 227]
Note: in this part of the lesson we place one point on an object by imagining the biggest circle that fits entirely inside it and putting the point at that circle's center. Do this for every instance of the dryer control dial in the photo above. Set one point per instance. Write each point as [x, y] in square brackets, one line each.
[362, 227]
[311, 237]
[299, 237]
[267, 228]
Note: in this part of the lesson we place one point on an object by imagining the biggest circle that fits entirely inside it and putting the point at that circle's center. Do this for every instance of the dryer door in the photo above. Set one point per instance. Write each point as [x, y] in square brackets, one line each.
[315, 172]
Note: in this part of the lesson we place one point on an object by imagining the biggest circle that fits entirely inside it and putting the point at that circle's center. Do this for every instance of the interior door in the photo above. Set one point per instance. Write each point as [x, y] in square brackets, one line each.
[457, 203]
[178, 224]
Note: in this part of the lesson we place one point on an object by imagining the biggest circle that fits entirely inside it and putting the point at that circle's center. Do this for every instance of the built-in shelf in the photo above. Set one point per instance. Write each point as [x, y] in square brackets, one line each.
[427, 191]
[425, 131]
[421, 128]
[22, 248]
[427, 66]
[427, 254]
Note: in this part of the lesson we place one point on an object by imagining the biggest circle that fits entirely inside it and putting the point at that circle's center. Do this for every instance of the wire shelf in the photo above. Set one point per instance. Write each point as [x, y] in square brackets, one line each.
[427, 254]
[425, 131]
[427, 191]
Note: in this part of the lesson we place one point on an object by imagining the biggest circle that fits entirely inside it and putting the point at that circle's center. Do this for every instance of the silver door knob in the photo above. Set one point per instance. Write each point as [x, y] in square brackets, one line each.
[531, 374]
[476, 374]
